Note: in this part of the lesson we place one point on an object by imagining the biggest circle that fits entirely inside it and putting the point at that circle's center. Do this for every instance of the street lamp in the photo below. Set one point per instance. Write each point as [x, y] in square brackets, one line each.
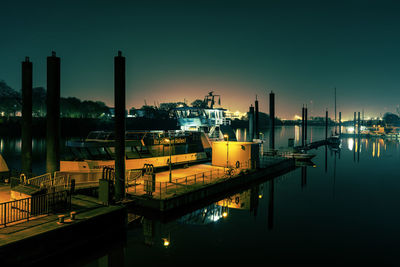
[227, 150]
[168, 140]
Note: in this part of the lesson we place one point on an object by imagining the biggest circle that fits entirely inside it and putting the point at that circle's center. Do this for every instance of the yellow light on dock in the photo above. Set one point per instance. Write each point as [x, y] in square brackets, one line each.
[166, 242]
[225, 214]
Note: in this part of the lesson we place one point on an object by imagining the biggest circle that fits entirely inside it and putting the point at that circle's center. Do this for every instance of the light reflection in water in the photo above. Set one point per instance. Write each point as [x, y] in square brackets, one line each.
[373, 149]
[350, 144]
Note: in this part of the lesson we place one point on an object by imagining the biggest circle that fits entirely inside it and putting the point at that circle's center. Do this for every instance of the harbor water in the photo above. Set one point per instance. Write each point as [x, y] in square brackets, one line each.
[340, 209]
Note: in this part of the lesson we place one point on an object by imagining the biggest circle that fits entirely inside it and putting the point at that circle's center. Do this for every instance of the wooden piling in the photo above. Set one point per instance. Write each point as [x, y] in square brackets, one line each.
[53, 114]
[26, 147]
[119, 102]
[272, 120]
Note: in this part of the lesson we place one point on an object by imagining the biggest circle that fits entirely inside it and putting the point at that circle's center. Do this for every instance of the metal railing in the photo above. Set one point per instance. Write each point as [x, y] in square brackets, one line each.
[24, 209]
[39, 180]
[187, 183]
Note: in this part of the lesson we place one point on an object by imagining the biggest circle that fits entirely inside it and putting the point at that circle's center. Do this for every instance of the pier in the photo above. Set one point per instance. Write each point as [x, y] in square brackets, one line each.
[200, 182]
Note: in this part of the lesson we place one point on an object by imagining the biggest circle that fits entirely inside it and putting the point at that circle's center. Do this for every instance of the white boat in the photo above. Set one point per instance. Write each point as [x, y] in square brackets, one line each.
[207, 118]
[142, 147]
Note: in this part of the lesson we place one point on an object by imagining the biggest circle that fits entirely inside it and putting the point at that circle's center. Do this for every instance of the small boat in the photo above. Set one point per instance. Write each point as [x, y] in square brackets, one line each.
[303, 156]
[305, 163]
[299, 156]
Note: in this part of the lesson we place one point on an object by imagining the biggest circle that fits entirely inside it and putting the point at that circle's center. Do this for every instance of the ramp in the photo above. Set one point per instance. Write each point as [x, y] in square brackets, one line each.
[227, 130]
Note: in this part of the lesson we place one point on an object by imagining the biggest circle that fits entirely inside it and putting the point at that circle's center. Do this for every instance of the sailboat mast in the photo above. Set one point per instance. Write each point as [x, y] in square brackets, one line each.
[335, 104]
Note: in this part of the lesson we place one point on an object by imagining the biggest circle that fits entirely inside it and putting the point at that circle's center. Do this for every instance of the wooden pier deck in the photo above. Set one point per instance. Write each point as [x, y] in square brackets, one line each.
[190, 185]
[19, 241]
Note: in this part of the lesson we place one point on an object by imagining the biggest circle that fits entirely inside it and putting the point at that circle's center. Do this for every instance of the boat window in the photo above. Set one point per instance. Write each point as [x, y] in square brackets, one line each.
[85, 153]
[143, 151]
[111, 151]
[156, 150]
[131, 153]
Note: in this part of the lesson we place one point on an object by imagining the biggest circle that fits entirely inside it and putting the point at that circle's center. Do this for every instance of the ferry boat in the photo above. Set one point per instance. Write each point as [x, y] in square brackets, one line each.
[142, 147]
[206, 118]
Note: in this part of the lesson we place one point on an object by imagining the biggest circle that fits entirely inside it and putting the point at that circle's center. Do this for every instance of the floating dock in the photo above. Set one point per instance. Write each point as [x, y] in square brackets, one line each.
[189, 186]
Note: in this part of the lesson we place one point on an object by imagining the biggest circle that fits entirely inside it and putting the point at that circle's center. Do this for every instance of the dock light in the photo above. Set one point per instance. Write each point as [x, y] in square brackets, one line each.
[225, 214]
[166, 242]
[260, 196]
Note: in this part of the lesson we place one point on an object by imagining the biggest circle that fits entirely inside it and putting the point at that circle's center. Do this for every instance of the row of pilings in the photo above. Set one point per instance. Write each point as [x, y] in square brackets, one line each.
[53, 119]
[253, 115]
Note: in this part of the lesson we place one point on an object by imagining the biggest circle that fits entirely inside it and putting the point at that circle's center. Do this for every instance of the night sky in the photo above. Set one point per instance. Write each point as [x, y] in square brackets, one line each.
[178, 50]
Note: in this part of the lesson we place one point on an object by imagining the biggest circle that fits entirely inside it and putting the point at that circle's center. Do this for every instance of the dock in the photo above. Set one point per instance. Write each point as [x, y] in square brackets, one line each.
[93, 220]
[312, 145]
[199, 182]
[19, 241]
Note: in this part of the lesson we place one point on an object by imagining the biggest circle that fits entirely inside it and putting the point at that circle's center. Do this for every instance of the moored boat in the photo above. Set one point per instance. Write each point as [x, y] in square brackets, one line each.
[158, 148]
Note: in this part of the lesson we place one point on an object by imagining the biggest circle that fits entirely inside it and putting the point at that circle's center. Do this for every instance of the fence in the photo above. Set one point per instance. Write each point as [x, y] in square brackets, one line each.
[39, 180]
[24, 209]
[187, 183]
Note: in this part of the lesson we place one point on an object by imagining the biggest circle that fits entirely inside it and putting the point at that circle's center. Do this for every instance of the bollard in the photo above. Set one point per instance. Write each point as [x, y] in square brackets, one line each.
[61, 219]
[72, 215]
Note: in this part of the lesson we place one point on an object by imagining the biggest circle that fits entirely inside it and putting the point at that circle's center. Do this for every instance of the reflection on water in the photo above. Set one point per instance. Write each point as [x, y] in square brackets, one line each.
[342, 207]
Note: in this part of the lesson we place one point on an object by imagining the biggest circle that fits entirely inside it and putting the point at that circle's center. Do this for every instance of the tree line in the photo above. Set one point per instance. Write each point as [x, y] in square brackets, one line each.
[71, 107]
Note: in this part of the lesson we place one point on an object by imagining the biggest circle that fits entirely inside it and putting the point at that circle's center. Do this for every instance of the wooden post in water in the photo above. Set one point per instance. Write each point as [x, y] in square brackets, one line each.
[359, 125]
[340, 123]
[302, 125]
[26, 155]
[256, 121]
[272, 120]
[326, 124]
[53, 114]
[354, 124]
[119, 102]
[305, 124]
[251, 123]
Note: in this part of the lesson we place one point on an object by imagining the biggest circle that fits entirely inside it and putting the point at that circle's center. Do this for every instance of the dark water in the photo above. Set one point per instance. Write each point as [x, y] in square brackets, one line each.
[343, 210]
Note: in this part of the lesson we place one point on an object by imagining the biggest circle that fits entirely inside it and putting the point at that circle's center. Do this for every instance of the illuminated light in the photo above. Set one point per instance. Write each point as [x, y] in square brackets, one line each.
[373, 149]
[166, 242]
[225, 214]
[260, 196]
[297, 117]
[314, 166]
[350, 143]
[350, 129]
[379, 150]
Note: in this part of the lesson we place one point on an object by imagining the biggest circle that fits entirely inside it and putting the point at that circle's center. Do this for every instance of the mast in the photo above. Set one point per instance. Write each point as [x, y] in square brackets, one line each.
[335, 114]
[335, 104]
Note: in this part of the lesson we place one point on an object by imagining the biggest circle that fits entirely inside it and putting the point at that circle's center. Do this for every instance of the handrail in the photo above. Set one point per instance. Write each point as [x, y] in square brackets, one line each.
[24, 209]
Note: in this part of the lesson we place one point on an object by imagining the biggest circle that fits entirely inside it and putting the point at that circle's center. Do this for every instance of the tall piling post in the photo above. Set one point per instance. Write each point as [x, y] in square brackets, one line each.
[26, 155]
[340, 123]
[305, 124]
[326, 124]
[256, 120]
[359, 124]
[302, 126]
[53, 114]
[272, 120]
[251, 123]
[354, 125]
[119, 102]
